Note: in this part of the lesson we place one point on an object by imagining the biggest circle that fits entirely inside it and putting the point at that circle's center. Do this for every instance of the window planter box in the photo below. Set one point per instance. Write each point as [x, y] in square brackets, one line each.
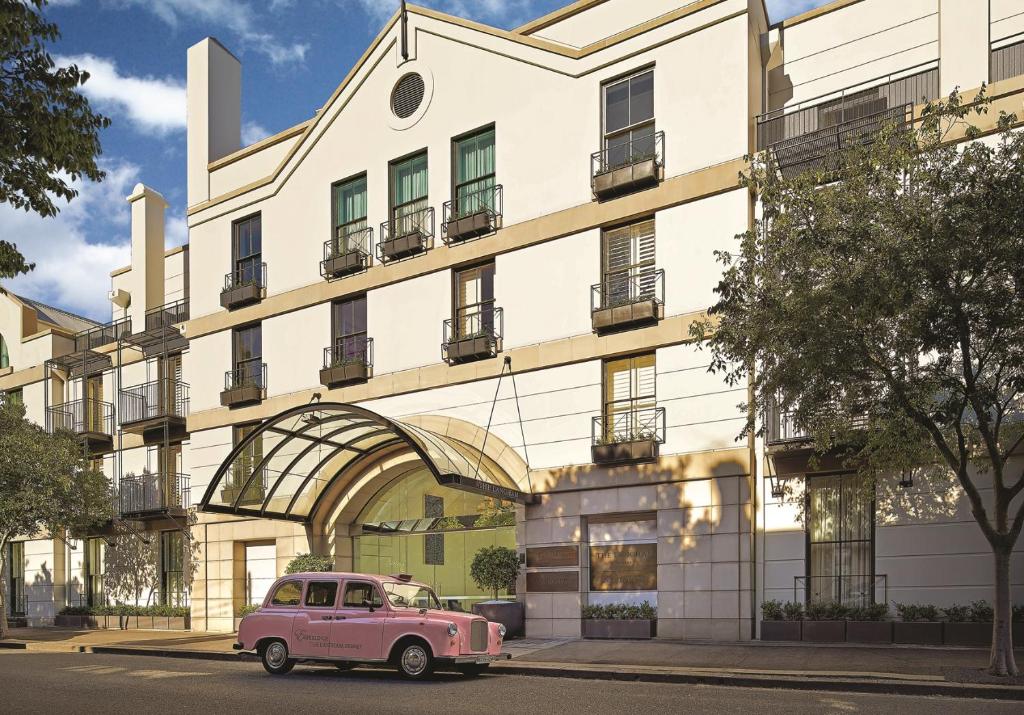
[475, 348]
[241, 395]
[639, 629]
[967, 634]
[869, 631]
[643, 450]
[508, 613]
[402, 246]
[781, 630]
[343, 265]
[182, 623]
[625, 179]
[917, 632]
[471, 226]
[344, 374]
[626, 316]
[824, 631]
[238, 296]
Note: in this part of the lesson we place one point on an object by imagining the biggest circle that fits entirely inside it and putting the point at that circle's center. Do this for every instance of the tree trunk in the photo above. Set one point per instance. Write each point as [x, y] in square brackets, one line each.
[3, 590]
[1001, 661]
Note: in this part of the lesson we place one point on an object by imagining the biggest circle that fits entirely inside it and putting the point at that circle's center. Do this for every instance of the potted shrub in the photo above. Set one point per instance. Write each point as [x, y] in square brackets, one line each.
[620, 620]
[496, 568]
[638, 446]
[869, 624]
[968, 625]
[310, 563]
[781, 622]
[919, 624]
[824, 622]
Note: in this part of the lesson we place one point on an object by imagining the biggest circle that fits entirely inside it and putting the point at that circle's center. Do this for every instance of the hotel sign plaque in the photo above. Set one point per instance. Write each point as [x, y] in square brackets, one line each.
[624, 567]
[552, 581]
[547, 556]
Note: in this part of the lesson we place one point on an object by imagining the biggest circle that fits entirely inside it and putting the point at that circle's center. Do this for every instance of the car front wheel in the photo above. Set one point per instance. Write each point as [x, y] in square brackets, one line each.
[275, 658]
[415, 662]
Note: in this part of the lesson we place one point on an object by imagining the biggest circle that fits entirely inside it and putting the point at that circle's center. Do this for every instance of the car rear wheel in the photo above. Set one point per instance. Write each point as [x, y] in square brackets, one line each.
[473, 669]
[275, 658]
[415, 661]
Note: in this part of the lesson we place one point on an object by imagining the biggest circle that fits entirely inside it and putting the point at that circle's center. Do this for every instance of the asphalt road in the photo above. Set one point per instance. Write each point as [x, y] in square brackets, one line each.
[84, 683]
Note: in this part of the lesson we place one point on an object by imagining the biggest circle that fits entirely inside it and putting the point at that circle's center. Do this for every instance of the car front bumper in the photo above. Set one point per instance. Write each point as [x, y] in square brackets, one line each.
[479, 659]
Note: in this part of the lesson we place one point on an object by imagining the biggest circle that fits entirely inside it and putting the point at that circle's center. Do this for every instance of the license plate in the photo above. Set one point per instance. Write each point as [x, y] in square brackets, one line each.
[482, 659]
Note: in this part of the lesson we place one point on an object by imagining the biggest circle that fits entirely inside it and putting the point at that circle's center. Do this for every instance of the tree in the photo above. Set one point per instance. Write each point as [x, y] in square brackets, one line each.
[495, 568]
[46, 486]
[49, 135]
[130, 565]
[879, 298]
[310, 563]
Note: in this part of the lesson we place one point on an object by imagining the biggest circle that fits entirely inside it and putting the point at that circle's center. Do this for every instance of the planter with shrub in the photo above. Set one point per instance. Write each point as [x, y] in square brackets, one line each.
[310, 563]
[869, 624]
[781, 621]
[496, 569]
[968, 625]
[919, 624]
[620, 620]
[825, 622]
[162, 618]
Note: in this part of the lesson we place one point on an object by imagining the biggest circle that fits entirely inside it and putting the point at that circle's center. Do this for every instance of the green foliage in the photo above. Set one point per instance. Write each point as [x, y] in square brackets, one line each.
[245, 609]
[826, 611]
[620, 612]
[871, 612]
[130, 564]
[911, 612]
[495, 568]
[1018, 613]
[49, 135]
[45, 486]
[494, 512]
[312, 563]
[793, 611]
[981, 612]
[123, 610]
[957, 613]
[772, 611]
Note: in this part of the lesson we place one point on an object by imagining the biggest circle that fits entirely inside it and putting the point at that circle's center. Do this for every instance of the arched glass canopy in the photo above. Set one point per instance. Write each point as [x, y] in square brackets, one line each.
[284, 468]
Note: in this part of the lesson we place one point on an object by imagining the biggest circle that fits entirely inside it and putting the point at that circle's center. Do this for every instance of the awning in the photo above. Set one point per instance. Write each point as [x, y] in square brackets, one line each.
[283, 468]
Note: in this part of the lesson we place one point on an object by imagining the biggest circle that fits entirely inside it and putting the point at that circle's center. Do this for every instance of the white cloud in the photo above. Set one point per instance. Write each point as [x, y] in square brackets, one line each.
[252, 132]
[149, 104]
[71, 272]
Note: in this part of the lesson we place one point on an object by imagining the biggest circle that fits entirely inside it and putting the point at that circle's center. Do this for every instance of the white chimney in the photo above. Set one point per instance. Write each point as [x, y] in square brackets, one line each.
[146, 280]
[214, 112]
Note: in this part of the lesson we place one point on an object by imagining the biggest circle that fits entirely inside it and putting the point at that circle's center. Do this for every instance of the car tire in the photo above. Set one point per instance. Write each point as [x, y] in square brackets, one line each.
[274, 656]
[473, 669]
[415, 661]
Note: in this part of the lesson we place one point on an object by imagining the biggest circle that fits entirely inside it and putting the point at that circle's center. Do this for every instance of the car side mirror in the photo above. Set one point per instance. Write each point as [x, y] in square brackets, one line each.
[367, 604]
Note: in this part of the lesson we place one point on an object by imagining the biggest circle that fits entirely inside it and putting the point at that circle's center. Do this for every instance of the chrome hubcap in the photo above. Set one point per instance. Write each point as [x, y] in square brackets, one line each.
[414, 660]
[276, 655]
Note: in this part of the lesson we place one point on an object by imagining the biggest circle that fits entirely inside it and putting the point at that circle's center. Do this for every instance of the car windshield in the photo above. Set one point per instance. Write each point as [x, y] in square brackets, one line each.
[409, 595]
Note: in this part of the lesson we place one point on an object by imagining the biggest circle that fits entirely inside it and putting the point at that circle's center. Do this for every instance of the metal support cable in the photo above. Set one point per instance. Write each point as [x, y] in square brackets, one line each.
[494, 403]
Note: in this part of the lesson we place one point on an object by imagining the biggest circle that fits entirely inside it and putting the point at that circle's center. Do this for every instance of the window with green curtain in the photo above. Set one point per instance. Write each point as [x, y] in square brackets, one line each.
[5, 359]
[349, 207]
[408, 186]
[474, 173]
[840, 539]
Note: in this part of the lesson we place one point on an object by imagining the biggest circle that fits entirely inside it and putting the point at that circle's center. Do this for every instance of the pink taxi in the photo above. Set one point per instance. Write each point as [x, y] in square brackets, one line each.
[351, 619]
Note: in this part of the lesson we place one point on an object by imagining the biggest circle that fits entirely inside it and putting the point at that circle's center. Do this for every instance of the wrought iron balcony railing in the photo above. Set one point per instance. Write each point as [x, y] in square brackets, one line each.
[628, 431]
[82, 417]
[628, 298]
[407, 234]
[847, 589]
[101, 335]
[247, 373]
[155, 400]
[473, 333]
[472, 214]
[246, 284]
[151, 494]
[348, 252]
[782, 427]
[349, 360]
[628, 166]
[168, 315]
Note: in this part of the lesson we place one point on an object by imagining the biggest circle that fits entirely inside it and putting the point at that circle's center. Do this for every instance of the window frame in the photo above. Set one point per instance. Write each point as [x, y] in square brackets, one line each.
[239, 262]
[172, 576]
[636, 402]
[257, 360]
[633, 271]
[393, 215]
[461, 313]
[273, 594]
[341, 339]
[335, 188]
[342, 604]
[606, 135]
[455, 184]
[309, 585]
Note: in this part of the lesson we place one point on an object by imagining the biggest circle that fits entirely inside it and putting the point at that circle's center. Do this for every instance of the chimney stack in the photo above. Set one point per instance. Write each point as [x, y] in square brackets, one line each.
[214, 112]
[147, 275]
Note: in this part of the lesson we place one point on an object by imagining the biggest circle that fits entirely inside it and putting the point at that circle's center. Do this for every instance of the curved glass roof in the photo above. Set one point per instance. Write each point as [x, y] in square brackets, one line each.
[284, 467]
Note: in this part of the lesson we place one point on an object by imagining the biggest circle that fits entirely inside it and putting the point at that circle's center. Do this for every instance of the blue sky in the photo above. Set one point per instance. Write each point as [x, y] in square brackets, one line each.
[294, 53]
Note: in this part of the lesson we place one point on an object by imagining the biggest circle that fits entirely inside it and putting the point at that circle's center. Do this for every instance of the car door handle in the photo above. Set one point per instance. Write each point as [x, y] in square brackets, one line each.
[326, 618]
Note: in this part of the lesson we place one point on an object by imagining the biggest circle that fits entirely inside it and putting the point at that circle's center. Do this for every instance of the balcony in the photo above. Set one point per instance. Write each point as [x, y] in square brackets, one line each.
[162, 334]
[167, 316]
[348, 361]
[155, 409]
[149, 496]
[409, 234]
[781, 427]
[245, 385]
[101, 335]
[631, 166]
[472, 215]
[474, 334]
[627, 433]
[627, 300]
[347, 253]
[245, 286]
[90, 420]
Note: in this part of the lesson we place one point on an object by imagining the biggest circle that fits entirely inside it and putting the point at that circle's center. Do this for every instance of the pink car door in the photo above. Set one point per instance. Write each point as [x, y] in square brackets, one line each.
[311, 627]
[358, 630]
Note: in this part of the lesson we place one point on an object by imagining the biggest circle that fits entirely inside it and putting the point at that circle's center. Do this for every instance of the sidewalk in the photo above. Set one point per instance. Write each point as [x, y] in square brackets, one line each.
[901, 670]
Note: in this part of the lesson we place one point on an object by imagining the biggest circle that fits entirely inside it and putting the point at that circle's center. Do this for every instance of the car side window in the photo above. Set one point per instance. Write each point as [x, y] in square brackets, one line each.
[356, 593]
[288, 593]
[321, 594]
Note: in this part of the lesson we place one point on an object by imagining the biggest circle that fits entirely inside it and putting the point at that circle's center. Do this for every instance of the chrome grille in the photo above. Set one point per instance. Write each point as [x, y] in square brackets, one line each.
[478, 636]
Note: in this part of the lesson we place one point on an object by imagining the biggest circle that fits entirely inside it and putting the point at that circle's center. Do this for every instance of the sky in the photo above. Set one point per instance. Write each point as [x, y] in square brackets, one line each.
[294, 53]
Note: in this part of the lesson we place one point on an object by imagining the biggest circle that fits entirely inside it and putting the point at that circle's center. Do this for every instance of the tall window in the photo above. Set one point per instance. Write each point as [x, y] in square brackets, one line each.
[248, 355]
[5, 358]
[433, 544]
[474, 173]
[93, 404]
[94, 554]
[16, 577]
[629, 398]
[840, 539]
[629, 118]
[409, 194]
[172, 569]
[243, 467]
[14, 397]
[348, 327]
[627, 263]
[247, 250]
[474, 300]
[170, 394]
[349, 213]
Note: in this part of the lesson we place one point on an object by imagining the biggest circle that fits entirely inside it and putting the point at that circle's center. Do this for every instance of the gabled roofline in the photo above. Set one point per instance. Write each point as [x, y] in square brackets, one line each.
[812, 14]
[551, 18]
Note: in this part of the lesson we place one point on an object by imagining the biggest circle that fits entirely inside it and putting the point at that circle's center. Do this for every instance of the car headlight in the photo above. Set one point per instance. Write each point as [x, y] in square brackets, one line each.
[501, 630]
[452, 629]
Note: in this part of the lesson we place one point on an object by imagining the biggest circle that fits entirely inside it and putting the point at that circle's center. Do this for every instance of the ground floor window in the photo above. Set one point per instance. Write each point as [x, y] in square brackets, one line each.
[93, 568]
[16, 578]
[840, 539]
[172, 571]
